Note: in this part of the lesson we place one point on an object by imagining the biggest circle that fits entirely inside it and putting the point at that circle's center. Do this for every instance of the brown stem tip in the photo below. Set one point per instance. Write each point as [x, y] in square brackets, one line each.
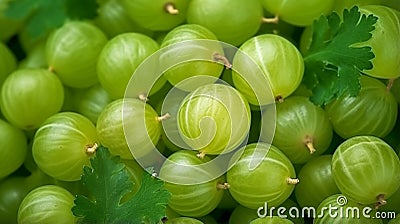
[143, 97]
[223, 59]
[169, 7]
[164, 117]
[224, 186]
[310, 147]
[279, 99]
[201, 155]
[91, 148]
[292, 181]
[309, 142]
[380, 201]
[275, 19]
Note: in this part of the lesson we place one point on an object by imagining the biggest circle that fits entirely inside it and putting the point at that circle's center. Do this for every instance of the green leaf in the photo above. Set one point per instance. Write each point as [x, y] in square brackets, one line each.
[334, 62]
[78, 9]
[41, 16]
[21, 9]
[108, 181]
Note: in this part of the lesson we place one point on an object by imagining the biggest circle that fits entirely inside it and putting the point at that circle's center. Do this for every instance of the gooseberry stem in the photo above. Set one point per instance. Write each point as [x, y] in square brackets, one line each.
[219, 57]
[292, 181]
[50, 69]
[279, 99]
[143, 97]
[224, 186]
[275, 19]
[163, 117]
[201, 155]
[91, 148]
[390, 84]
[170, 8]
[380, 201]
[310, 144]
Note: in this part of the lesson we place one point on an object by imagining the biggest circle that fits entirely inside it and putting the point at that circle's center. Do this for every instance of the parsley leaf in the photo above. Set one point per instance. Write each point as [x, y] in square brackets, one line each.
[78, 9]
[108, 181]
[334, 62]
[41, 16]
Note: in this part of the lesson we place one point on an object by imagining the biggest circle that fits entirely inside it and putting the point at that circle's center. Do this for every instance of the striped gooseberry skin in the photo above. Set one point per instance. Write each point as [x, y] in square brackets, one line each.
[214, 119]
[373, 112]
[187, 199]
[232, 21]
[281, 64]
[262, 174]
[366, 169]
[303, 130]
[47, 204]
[187, 32]
[345, 211]
[29, 96]
[60, 145]
[191, 41]
[72, 52]
[128, 118]
[119, 59]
